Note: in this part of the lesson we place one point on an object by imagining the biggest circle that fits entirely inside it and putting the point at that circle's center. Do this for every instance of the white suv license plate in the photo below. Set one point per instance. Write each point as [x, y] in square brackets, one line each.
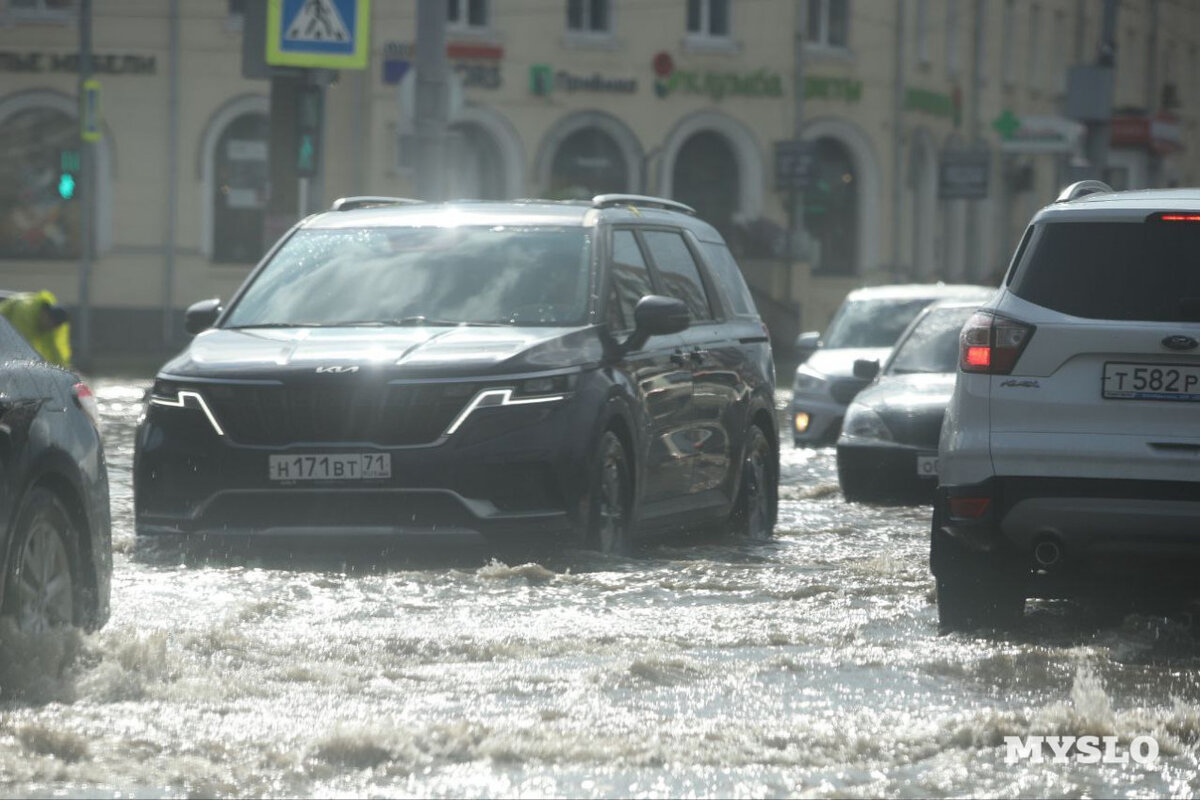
[330, 467]
[927, 466]
[1128, 381]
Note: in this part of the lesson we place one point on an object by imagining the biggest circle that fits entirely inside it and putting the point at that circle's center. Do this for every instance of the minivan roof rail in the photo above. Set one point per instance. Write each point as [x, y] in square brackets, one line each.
[1081, 188]
[370, 201]
[645, 201]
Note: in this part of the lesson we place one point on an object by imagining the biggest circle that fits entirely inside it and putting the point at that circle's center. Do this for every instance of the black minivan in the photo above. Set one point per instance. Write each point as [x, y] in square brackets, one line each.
[590, 371]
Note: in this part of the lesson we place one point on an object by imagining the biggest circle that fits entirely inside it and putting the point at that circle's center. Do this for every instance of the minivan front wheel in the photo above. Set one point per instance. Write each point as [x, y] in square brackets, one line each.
[611, 498]
[757, 500]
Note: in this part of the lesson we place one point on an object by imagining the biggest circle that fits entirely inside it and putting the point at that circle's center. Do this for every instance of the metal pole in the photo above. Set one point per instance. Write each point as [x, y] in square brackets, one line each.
[432, 98]
[172, 175]
[971, 268]
[795, 197]
[87, 212]
[1099, 131]
[898, 138]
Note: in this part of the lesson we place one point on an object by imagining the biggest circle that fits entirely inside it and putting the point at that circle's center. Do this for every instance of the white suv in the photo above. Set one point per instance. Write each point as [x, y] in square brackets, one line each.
[1069, 460]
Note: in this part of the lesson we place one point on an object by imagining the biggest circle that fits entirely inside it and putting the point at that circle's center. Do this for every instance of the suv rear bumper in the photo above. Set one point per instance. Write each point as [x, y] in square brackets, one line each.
[1091, 522]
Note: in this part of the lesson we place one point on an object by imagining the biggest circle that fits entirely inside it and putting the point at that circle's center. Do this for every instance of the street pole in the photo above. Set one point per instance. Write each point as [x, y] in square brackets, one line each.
[1099, 131]
[898, 139]
[432, 98]
[972, 268]
[168, 331]
[87, 173]
[795, 196]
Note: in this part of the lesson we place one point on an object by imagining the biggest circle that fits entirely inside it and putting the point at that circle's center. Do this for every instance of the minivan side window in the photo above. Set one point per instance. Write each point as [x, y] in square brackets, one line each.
[729, 278]
[630, 280]
[678, 271]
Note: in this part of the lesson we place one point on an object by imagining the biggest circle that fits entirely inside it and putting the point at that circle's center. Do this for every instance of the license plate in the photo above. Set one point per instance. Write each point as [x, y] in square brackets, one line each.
[1128, 381]
[927, 466]
[339, 467]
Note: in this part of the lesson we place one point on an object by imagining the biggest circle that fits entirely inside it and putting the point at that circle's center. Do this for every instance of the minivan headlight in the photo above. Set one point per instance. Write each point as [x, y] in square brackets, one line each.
[862, 422]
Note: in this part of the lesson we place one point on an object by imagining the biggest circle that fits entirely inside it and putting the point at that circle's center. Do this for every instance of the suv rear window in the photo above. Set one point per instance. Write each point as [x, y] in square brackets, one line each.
[1113, 270]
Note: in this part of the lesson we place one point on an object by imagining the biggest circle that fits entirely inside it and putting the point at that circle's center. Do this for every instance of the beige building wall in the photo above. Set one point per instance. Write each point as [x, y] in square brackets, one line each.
[904, 230]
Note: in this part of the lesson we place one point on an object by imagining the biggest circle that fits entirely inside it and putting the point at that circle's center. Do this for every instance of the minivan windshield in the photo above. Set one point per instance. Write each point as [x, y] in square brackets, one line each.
[496, 275]
[1113, 270]
[932, 344]
[872, 323]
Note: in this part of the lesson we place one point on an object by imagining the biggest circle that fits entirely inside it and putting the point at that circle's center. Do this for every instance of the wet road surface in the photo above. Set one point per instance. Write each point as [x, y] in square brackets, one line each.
[807, 666]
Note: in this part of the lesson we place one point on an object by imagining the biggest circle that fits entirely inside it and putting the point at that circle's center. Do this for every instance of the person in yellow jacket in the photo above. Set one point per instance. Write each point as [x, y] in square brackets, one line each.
[43, 322]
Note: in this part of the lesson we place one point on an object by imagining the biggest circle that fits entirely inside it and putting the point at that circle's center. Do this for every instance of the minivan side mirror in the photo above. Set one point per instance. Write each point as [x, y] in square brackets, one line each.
[656, 315]
[866, 370]
[807, 344]
[201, 316]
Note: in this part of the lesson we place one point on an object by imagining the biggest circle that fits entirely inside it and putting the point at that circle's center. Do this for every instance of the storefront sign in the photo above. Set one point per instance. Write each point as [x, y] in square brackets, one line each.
[69, 62]
[823, 88]
[793, 165]
[1033, 134]
[715, 85]
[1161, 134]
[478, 65]
[543, 81]
[935, 104]
[963, 174]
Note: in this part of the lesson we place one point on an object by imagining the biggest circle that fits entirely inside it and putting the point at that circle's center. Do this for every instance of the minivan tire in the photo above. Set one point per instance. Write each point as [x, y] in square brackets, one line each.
[610, 498]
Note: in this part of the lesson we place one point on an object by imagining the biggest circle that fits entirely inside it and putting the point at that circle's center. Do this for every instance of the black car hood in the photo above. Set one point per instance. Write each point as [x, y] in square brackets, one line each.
[912, 406]
[419, 351]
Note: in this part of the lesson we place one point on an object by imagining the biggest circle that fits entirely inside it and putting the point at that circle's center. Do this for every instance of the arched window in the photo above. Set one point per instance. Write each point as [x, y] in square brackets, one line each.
[239, 189]
[831, 208]
[706, 178]
[587, 163]
[476, 164]
[39, 184]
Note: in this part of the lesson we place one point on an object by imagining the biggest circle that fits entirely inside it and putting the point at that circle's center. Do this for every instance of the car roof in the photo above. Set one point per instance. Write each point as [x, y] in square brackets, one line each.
[1125, 205]
[916, 291]
[583, 213]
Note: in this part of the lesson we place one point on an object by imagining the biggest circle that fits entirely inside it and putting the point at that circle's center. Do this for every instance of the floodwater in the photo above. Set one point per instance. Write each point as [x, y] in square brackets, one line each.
[808, 666]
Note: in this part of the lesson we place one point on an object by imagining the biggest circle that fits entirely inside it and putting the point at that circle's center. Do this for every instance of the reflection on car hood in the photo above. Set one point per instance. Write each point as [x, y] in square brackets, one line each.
[409, 351]
[909, 394]
[839, 363]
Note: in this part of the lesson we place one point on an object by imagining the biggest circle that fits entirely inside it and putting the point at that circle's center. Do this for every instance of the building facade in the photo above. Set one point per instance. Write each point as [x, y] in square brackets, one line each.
[936, 128]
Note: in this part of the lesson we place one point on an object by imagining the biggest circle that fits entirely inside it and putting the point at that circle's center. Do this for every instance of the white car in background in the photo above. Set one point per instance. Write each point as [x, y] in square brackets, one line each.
[1069, 459]
[865, 327]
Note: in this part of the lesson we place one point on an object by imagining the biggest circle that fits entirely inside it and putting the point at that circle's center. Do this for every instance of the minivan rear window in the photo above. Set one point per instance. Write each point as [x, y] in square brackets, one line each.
[1146, 271]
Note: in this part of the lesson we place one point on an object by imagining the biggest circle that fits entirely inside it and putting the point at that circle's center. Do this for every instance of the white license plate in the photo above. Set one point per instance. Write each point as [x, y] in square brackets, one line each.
[927, 466]
[1128, 381]
[338, 467]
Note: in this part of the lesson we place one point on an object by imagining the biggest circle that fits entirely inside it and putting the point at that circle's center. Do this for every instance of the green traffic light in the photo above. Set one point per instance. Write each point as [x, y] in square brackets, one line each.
[66, 186]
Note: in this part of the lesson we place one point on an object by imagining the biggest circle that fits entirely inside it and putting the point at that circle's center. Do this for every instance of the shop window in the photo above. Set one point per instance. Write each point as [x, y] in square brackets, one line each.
[587, 163]
[708, 19]
[240, 190]
[831, 209]
[40, 185]
[829, 22]
[589, 16]
[706, 178]
[468, 14]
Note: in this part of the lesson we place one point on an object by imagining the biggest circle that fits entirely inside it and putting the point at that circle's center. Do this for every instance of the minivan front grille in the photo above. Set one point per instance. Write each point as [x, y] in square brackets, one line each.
[381, 414]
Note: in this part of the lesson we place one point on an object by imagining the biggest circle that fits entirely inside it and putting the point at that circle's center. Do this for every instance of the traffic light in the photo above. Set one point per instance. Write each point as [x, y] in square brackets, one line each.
[68, 173]
[308, 137]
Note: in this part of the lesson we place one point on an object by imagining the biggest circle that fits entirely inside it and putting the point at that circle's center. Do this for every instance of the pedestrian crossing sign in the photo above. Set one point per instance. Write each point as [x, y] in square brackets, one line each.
[328, 34]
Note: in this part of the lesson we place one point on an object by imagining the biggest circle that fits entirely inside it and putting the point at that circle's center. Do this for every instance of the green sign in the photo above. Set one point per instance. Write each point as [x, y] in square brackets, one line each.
[718, 85]
[1007, 124]
[825, 88]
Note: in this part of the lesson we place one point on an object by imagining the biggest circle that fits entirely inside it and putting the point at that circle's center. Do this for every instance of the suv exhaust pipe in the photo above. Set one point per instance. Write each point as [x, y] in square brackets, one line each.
[1047, 552]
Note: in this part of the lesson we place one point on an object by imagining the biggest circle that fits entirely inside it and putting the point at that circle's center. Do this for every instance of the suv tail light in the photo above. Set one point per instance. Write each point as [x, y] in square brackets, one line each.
[991, 344]
[87, 401]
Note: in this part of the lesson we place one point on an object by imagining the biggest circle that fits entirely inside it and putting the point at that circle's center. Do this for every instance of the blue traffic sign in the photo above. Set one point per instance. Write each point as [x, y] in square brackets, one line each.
[331, 34]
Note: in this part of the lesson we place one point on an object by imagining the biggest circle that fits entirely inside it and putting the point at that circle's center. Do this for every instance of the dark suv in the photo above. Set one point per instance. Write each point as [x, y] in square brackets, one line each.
[585, 370]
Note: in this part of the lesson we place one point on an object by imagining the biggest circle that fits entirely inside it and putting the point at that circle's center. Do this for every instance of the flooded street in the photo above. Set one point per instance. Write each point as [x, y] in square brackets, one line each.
[808, 666]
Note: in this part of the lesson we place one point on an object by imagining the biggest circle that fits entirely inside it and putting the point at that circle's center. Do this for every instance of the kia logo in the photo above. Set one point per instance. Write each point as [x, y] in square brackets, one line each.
[344, 370]
[1180, 342]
